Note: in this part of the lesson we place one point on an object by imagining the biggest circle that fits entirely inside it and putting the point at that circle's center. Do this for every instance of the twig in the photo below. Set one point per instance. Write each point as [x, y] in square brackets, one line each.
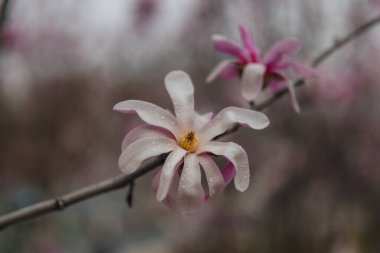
[60, 203]
[129, 198]
[4, 12]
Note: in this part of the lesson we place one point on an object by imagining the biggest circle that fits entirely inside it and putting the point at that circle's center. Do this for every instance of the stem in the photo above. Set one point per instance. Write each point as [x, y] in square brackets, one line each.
[120, 181]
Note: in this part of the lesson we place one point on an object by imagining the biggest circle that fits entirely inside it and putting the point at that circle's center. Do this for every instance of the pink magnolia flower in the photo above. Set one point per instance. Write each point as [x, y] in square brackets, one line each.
[258, 73]
[188, 138]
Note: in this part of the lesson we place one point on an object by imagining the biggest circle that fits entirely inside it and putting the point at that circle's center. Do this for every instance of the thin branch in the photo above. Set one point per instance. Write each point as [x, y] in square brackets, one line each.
[4, 12]
[129, 198]
[60, 203]
[118, 182]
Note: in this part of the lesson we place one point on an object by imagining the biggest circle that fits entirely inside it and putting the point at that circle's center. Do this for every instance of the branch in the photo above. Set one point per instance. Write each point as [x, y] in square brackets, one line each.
[60, 203]
[120, 181]
[4, 12]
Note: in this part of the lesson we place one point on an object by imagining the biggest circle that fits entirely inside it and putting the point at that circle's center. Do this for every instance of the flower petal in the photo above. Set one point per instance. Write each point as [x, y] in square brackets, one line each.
[169, 200]
[150, 113]
[190, 191]
[293, 96]
[201, 120]
[300, 69]
[277, 85]
[229, 172]
[168, 171]
[280, 49]
[181, 90]
[236, 155]
[214, 177]
[252, 80]
[142, 149]
[225, 69]
[224, 45]
[145, 131]
[248, 44]
[229, 116]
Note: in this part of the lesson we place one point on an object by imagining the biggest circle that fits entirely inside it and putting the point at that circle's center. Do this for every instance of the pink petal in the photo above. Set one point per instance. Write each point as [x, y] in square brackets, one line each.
[169, 200]
[145, 131]
[150, 113]
[224, 45]
[168, 171]
[276, 86]
[225, 69]
[228, 173]
[300, 69]
[142, 149]
[280, 49]
[252, 80]
[236, 155]
[190, 191]
[229, 116]
[248, 44]
[213, 175]
[181, 91]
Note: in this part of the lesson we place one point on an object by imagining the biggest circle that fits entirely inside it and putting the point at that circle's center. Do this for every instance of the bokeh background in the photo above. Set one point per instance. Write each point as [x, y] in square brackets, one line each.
[64, 64]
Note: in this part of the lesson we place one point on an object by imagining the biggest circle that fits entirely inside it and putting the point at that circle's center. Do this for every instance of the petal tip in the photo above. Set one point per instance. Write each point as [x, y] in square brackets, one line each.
[241, 185]
[117, 107]
[160, 196]
[216, 37]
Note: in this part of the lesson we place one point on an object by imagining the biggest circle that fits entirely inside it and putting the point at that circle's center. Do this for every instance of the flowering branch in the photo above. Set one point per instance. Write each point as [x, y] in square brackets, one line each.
[321, 58]
[120, 181]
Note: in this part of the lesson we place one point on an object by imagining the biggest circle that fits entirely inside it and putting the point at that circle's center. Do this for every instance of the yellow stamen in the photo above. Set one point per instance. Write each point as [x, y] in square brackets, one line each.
[189, 142]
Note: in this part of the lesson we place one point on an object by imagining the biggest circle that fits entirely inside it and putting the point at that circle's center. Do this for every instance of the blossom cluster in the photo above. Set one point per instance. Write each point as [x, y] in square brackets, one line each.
[190, 139]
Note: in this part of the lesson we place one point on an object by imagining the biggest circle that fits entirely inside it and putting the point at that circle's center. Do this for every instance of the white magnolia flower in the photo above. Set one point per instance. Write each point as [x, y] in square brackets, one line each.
[188, 138]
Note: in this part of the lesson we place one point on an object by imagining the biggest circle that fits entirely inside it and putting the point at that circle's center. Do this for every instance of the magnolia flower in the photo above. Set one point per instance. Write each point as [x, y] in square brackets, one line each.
[187, 137]
[258, 73]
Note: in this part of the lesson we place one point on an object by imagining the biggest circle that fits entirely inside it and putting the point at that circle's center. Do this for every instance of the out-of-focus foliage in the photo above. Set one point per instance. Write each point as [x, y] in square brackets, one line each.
[64, 64]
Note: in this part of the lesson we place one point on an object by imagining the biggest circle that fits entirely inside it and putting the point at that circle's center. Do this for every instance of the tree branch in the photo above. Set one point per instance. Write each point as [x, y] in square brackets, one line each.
[120, 181]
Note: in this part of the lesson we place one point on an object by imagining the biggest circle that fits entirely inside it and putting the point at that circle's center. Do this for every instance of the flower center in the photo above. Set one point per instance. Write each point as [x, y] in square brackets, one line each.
[189, 141]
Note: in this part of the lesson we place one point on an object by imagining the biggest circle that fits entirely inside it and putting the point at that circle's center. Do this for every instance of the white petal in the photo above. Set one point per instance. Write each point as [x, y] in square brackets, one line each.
[181, 90]
[293, 97]
[150, 113]
[144, 131]
[190, 191]
[252, 80]
[142, 149]
[168, 171]
[201, 120]
[236, 155]
[229, 116]
[214, 177]
[218, 69]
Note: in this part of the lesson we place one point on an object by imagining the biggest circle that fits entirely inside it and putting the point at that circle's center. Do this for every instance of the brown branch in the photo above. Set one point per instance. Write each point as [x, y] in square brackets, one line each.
[60, 203]
[118, 182]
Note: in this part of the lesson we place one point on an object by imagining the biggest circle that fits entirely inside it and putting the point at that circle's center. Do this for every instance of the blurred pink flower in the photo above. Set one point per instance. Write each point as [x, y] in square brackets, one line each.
[258, 73]
[188, 138]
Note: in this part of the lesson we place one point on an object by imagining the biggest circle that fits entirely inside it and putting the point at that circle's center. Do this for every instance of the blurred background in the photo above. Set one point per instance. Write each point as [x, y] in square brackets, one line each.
[64, 64]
